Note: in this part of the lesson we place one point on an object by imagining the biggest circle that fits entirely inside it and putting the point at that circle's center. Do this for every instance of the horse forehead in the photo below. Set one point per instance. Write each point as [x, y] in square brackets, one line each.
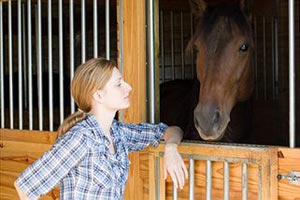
[223, 32]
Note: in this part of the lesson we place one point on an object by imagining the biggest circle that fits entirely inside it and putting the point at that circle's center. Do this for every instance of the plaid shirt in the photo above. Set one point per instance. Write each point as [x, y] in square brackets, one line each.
[80, 161]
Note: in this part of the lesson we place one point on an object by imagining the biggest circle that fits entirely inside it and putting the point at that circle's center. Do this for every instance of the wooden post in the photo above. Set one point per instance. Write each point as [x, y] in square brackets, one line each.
[134, 59]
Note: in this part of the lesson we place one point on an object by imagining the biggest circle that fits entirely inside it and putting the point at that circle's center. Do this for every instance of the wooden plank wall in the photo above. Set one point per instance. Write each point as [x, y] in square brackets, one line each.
[18, 149]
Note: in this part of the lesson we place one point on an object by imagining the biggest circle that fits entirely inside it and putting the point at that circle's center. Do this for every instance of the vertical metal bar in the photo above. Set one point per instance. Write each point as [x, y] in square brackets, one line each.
[259, 183]
[182, 48]
[39, 64]
[292, 75]
[192, 51]
[151, 62]
[264, 56]
[50, 67]
[244, 181]
[276, 49]
[226, 185]
[172, 44]
[95, 17]
[25, 97]
[121, 30]
[71, 15]
[208, 180]
[191, 178]
[273, 57]
[174, 193]
[162, 47]
[11, 97]
[61, 70]
[2, 68]
[20, 81]
[83, 31]
[29, 46]
[157, 174]
[107, 29]
[255, 56]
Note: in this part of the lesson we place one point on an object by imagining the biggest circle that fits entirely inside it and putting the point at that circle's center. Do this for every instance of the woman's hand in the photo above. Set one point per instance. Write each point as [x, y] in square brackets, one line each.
[174, 165]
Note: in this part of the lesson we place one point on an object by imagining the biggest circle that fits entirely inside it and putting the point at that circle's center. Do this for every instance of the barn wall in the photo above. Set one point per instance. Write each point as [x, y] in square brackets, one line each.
[13, 144]
[18, 150]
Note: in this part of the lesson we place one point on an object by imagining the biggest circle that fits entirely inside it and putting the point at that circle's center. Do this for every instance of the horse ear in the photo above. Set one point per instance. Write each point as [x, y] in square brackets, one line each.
[247, 7]
[198, 7]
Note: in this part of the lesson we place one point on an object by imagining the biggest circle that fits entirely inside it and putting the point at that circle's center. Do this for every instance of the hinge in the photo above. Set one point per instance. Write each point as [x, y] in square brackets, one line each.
[293, 176]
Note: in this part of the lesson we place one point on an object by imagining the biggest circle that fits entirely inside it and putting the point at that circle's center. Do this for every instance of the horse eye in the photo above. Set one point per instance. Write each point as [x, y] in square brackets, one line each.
[244, 47]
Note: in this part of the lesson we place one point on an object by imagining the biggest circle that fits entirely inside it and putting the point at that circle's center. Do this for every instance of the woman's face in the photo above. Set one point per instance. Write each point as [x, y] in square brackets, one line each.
[115, 94]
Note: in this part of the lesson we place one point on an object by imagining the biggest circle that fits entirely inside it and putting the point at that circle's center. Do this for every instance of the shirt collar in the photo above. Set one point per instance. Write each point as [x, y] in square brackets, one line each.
[93, 124]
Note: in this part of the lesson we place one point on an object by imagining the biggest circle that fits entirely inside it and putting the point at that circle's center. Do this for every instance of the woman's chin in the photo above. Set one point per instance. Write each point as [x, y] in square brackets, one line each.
[125, 106]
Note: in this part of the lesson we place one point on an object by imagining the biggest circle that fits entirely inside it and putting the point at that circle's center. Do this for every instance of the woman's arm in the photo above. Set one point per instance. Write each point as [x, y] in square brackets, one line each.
[173, 161]
[173, 135]
[21, 194]
[139, 136]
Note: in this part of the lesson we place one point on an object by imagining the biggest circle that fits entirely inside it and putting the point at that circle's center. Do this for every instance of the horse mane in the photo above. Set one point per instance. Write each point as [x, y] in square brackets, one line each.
[230, 14]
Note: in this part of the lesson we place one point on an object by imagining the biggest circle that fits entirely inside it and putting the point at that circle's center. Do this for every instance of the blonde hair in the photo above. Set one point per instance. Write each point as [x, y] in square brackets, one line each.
[88, 78]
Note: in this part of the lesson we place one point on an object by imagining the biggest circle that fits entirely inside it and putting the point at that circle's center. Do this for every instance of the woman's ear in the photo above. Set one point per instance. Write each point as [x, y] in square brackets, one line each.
[97, 96]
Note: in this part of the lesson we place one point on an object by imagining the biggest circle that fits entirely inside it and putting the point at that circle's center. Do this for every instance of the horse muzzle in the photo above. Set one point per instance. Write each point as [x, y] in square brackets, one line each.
[211, 124]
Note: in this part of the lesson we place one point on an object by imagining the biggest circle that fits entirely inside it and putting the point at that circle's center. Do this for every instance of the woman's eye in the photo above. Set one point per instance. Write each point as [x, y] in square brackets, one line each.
[244, 47]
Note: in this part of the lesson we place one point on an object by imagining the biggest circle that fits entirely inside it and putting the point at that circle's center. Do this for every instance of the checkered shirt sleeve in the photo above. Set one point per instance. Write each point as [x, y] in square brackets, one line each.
[46, 172]
[141, 135]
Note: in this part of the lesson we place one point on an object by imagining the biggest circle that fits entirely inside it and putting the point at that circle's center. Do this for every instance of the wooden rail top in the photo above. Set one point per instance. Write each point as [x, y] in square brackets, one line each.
[222, 152]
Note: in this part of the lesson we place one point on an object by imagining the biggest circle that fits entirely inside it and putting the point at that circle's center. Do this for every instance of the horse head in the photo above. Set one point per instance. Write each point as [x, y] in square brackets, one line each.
[224, 47]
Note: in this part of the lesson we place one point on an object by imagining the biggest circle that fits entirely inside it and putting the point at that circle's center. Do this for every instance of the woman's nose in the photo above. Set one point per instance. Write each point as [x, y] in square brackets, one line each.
[128, 87]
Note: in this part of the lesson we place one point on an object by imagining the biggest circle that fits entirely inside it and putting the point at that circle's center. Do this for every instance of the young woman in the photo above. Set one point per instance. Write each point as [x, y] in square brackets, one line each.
[90, 158]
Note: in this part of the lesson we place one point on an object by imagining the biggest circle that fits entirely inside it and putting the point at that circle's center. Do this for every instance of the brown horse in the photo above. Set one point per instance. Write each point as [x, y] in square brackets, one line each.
[224, 46]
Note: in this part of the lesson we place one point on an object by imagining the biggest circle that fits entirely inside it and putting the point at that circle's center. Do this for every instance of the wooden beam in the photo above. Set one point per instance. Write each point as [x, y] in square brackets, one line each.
[134, 60]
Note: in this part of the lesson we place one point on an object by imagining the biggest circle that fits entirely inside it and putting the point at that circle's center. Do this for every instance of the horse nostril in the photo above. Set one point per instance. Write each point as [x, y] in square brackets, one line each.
[216, 117]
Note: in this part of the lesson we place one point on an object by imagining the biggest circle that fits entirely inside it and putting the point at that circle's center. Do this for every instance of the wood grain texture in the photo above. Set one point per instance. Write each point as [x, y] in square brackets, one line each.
[258, 159]
[17, 152]
[288, 161]
[19, 149]
[134, 72]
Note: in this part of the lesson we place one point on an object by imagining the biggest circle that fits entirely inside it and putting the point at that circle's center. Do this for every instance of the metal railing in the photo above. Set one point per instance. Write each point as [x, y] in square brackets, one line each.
[38, 56]
[218, 171]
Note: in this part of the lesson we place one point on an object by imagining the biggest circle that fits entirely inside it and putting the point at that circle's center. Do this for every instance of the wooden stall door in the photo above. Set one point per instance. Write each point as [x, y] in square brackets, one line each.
[273, 161]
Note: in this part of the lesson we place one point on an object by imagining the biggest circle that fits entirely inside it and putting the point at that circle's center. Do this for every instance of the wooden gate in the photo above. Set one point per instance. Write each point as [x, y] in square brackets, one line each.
[252, 172]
